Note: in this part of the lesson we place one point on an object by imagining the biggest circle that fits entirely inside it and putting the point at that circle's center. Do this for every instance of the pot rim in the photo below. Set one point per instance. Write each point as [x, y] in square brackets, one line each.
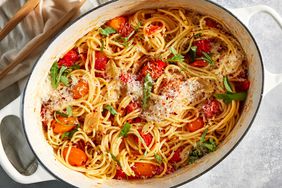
[191, 179]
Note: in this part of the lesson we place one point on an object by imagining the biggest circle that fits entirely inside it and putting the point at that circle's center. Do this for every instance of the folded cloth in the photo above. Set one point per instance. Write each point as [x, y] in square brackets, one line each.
[28, 31]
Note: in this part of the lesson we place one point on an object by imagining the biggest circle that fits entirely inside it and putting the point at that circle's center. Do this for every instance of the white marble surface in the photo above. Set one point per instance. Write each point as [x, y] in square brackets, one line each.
[257, 160]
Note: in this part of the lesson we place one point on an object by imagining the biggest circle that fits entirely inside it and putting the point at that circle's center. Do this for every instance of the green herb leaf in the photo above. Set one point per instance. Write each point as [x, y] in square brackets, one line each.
[107, 31]
[207, 58]
[210, 145]
[158, 158]
[103, 46]
[115, 159]
[193, 52]
[197, 35]
[74, 67]
[137, 26]
[54, 74]
[64, 80]
[203, 136]
[111, 109]
[125, 129]
[227, 84]
[192, 159]
[228, 97]
[177, 57]
[70, 133]
[148, 86]
[61, 114]
[69, 111]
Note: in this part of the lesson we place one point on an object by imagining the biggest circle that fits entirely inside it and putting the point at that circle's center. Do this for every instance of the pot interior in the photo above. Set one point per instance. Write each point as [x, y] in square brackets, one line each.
[37, 87]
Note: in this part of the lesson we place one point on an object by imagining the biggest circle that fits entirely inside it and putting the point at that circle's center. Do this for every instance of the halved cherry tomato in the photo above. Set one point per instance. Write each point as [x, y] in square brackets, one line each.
[132, 106]
[202, 46]
[69, 58]
[155, 68]
[117, 22]
[146, 137]
[176, 156]
[152, 29]
[77, 157]
[199, 63]
[124, 77]
[120, 175]
[101, 61]
[126, 30]
[63, 124]
[212, 108]
[242, 86]
[144, 170]
[80, 89]
[195, 125]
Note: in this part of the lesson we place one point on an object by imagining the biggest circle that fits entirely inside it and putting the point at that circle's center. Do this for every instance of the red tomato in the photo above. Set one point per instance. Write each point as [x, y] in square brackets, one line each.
[152, 29]
[155, 68]
[69, 58]
[202, 46]
[242, 86]
[117, 22]
[195, 125]
[125, 30]
[212, 108]
[199, 63]
[176, 156]
[80, 89]
[120, 175]
[146, 137]
[124, 77]
[101, 61]
[144, 170]
[132, 106]
[77, 157]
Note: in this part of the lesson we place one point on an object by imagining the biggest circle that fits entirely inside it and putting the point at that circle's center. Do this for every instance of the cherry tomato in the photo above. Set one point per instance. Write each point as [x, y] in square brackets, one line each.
[63, 124]
[132, 106]
[146, 137]
[176, 156]
[69, 58]
[152, 29]
[101, 61]
[80, 89]
[124, 77]
[117, 22]
[120, 175]
[242, 86]
[199, 63]
[77, 157]
[195, 125]
[144, 170]
[125, 30]
[202, 46]
[212, 108]
[154, 68]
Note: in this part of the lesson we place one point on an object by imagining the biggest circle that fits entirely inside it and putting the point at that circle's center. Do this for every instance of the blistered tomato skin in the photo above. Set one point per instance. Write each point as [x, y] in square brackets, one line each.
[195, 125]
[212, 108]
[202, 46]
[154, 68]
[69, 59]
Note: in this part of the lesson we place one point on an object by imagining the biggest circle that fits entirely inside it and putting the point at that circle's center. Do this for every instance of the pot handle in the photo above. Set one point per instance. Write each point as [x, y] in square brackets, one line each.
[40, 174]
[245, 14]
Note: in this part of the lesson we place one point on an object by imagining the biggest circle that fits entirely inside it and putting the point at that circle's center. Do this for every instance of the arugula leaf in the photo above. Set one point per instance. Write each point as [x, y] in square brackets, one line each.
[158, 158]
[125, 129]
[228, 97]
[137, 26]
[70, 133]
[203, 136]
[177, 57]
[107, 31]
[64, 80]
[148, 86]
[103, 46]
[69, 111]
[111, 109]
[61, 114]
[207, 58]
[115, 159]
[192, 52]
[227, 84]
[210, 145]
[54, 74]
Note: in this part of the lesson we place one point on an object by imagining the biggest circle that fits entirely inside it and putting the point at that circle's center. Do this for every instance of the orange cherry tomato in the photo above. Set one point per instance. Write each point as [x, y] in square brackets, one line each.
[152, 29]
[144, 170]
[77, 157]
[63, 124]
[195, 125]
[117, 22]
[80, 89]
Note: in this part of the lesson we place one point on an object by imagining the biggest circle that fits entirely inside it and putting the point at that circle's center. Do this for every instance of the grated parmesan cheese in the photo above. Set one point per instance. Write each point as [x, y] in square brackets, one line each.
[134, 88]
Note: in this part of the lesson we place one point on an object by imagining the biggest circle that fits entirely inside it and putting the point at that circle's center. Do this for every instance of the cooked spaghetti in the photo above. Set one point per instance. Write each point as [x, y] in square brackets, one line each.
[145, 94]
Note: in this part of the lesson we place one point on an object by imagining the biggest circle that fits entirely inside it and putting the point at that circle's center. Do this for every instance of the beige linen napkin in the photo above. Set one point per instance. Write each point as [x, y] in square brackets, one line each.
[27, 32]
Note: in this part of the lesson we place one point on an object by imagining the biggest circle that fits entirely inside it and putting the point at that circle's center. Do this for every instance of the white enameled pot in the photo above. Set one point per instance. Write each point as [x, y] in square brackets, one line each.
[28, 105]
